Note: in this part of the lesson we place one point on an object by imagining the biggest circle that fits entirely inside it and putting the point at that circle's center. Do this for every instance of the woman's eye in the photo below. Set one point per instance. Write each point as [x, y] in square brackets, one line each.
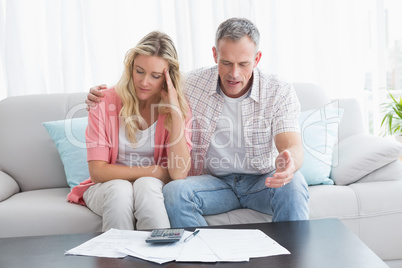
[139, 72]
[156, 76]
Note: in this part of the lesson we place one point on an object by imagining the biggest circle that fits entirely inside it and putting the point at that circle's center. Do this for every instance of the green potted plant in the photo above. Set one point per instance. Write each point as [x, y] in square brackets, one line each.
[392, 121]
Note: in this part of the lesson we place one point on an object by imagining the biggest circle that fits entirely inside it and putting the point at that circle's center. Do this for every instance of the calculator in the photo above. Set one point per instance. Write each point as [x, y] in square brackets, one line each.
[165, 236]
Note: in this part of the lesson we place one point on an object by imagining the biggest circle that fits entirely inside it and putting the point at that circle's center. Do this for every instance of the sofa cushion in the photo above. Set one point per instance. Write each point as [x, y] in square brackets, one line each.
[238, 216]
[69, 137]
[45, 212]
[381, 215]
[333, 201]
[360, 155]
[319, 129]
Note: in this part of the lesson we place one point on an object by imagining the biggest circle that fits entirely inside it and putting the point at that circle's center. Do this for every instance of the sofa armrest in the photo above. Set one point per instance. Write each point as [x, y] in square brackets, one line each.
[361, 154]
[8, 186]
[390, 172]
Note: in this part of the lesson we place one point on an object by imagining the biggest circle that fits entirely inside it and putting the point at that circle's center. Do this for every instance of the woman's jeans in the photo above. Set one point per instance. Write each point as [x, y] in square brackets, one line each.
[188, 200]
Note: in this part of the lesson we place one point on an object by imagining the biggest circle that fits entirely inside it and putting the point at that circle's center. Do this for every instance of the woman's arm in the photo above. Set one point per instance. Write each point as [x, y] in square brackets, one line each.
[102, 142]
[102, 171]
[179, 159]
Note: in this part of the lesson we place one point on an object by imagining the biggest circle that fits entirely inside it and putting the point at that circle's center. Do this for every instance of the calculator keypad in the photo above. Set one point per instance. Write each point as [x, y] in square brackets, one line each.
[165, 236]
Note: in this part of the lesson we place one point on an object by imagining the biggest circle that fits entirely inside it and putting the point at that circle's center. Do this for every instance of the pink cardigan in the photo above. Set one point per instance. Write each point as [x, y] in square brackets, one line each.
[102, 138]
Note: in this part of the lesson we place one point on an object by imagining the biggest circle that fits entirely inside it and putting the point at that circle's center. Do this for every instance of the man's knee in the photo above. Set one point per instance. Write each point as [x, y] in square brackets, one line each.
[301, 185]
[297, 191]
[173, 192]
[297, 198]
[173, 187]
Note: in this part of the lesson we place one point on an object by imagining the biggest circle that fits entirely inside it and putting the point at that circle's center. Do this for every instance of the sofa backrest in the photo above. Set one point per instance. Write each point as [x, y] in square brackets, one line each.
[312, 96]
[27, 153]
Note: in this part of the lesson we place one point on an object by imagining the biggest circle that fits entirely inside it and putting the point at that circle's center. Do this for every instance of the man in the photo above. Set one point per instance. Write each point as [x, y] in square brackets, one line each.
[246, 142]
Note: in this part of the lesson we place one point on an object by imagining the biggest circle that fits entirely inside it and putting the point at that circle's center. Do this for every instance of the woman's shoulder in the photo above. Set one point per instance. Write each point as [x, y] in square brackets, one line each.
[110, 93]
[110, 100]
[111, 96]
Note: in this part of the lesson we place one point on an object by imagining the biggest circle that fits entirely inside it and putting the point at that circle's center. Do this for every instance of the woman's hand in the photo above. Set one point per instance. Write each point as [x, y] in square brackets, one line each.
[161, 173]
[169, 96]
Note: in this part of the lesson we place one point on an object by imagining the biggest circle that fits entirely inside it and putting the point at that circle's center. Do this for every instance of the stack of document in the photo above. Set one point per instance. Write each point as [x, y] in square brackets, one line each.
[209, 245]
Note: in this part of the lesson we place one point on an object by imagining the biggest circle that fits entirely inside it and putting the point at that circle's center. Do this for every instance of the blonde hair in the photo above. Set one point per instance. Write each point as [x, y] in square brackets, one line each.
[153, 44]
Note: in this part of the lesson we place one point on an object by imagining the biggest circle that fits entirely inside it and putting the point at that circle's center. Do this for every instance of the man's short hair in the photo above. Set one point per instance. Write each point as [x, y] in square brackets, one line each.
[235, 29]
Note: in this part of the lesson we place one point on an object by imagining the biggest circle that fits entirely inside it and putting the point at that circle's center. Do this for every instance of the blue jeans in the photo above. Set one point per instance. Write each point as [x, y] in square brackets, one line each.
[188, 200]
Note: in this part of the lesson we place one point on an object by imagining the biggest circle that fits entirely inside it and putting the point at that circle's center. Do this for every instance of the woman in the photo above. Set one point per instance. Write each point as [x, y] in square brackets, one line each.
[137, 140]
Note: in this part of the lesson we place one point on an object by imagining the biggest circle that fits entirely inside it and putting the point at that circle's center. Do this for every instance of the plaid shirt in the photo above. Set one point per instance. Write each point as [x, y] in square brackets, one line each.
[270, 108]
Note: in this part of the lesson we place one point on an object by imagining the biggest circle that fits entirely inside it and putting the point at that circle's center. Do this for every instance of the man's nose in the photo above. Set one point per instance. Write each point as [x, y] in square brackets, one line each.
[234, 72]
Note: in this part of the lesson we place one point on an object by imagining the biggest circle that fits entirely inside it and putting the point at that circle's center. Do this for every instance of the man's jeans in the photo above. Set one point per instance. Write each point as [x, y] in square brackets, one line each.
[187, 200]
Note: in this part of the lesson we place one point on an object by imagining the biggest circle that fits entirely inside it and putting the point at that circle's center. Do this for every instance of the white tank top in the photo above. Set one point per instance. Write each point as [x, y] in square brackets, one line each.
[143, 153]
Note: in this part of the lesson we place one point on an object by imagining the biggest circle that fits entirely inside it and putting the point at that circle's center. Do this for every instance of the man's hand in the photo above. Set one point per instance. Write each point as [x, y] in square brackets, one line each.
[94, 96]
[285, 169]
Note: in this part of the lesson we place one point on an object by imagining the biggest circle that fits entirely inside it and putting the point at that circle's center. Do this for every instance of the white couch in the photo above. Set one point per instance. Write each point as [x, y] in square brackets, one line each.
[367, 197]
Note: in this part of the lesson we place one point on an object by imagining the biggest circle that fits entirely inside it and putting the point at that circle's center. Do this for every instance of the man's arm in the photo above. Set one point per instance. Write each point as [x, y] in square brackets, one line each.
[289, 160]
[290, 141]
[94, 96]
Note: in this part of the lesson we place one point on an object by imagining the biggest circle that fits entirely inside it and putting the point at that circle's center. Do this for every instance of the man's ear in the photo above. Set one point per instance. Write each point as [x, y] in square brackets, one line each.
[215, 53]
[257, 58]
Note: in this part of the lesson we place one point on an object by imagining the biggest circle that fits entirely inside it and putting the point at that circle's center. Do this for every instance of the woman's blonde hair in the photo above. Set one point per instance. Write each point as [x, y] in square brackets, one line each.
[153, 44]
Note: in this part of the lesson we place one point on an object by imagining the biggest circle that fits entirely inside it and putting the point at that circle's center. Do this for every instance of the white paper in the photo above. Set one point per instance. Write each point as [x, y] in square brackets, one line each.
[108, 244]
[209, 245]
[156, 252]
[157, 260]
[231, 244]
[196, 250]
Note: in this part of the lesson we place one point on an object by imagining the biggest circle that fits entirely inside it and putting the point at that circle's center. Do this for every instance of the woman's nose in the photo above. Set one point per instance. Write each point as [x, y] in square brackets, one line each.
[145, 81]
